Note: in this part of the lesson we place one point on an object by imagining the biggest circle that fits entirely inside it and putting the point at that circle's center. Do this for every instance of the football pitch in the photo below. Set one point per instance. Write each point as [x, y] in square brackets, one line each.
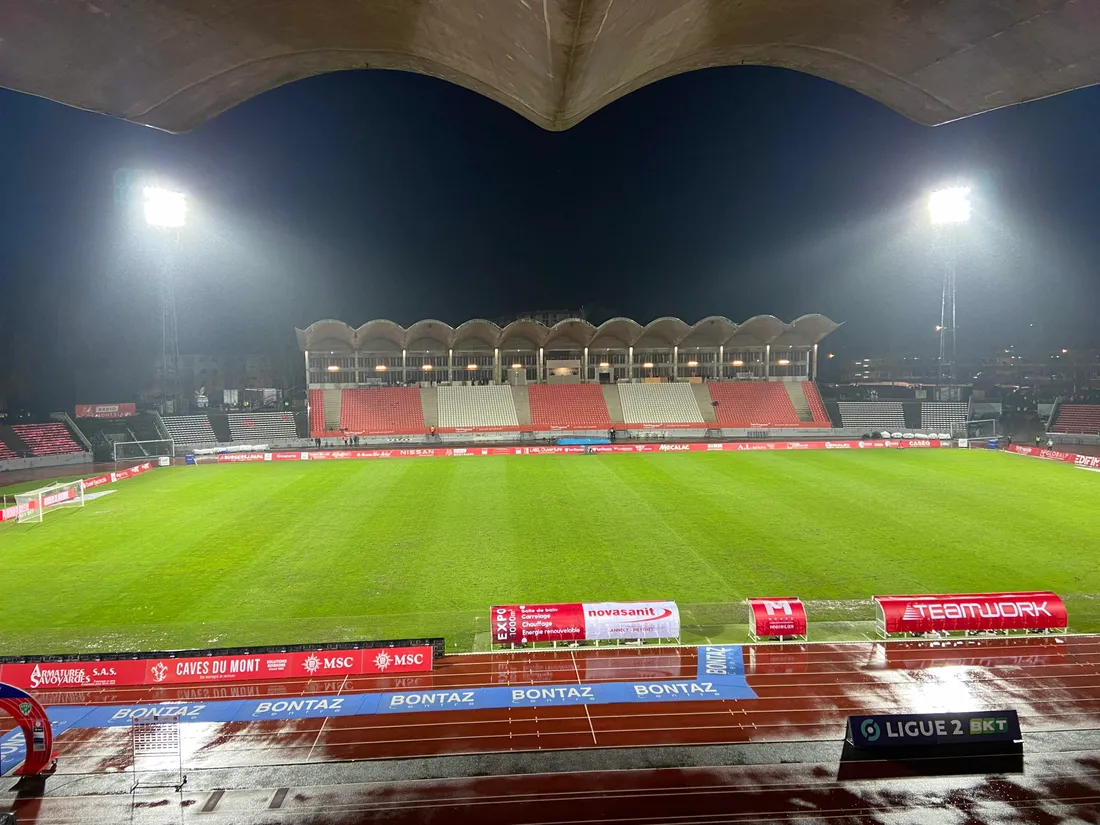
[297, 552]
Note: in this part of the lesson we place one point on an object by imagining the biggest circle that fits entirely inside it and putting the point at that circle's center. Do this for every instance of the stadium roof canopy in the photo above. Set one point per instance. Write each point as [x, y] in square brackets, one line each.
[573, 334]
[175, 64]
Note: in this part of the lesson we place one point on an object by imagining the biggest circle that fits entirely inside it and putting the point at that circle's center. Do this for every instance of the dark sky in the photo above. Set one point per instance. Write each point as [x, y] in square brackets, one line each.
[379, 194]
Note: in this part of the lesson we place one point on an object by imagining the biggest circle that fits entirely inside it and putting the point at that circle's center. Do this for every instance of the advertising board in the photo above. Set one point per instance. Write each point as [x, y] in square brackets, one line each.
[578, 622]
[973, 612]
[776, 617]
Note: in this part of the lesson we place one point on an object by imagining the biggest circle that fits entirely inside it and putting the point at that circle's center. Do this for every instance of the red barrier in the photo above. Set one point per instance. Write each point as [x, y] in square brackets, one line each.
[974, 612]
[591, 621]
[200, 669]
[1091, 462]
[443, 452]
[776, 617]
[105, 410]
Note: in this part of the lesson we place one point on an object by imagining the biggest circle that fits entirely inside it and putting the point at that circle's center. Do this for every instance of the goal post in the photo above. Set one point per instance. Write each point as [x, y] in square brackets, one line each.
[140, 450]
[34, 504]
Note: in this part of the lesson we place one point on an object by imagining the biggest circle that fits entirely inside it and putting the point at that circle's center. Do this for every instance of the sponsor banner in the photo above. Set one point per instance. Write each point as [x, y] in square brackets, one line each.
[529, 623]
[105, 410]
[1087, 461]
[904, 730]
[301, 664]
[973, 612]
[777, 616]
[53, 676]
[721, 663]
[320, 664]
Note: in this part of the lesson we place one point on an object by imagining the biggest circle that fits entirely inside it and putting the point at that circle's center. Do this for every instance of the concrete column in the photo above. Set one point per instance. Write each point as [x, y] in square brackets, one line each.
[630, 363]
[538, 373]
[721, 371]
[404, 366]
[450, 365]
[675, 361]
[584, 367]
[496, 365]
[767, 361]
[813, 364]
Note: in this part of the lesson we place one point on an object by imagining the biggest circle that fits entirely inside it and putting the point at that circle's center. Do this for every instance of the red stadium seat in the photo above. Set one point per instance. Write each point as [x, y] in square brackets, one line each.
[380, 411]
[47, 439]
[1083, 419]
[817, 405]
[317, 412]
[746, 404]
[568, 406]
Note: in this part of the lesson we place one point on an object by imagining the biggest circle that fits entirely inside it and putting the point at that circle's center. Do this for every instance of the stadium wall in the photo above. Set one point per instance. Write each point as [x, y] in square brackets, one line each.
[38, 462]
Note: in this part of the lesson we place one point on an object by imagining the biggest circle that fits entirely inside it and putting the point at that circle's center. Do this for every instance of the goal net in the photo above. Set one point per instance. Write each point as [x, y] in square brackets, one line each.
[139, 450]
[34, 504]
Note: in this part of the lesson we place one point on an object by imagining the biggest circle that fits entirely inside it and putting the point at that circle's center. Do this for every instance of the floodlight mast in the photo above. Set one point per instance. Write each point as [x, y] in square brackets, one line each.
[167, 210]
[948, 209]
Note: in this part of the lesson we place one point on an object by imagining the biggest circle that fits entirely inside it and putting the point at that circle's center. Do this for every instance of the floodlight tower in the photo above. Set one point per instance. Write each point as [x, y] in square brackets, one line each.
[948, 209]
[166, 211]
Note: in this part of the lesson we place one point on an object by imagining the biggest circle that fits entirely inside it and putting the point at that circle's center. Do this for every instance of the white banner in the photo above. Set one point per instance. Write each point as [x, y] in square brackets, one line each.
[631, 620]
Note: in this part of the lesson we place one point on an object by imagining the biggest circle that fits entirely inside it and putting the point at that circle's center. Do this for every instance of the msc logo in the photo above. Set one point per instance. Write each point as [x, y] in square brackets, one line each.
[870, 730]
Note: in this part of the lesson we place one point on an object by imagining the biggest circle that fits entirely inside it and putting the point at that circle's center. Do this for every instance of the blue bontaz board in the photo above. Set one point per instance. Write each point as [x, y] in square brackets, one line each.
[721, 675]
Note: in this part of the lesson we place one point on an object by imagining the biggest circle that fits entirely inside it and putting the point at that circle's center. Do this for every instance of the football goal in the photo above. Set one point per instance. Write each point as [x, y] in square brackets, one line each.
[34, 504]
[140, 450]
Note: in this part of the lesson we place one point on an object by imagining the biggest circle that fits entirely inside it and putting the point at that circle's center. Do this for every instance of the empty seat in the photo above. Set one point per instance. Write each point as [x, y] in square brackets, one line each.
[746, 404]
[938, 415]
[659, 404]
[568, 407]
[872, 415]
[382, 411]
[47, 439]
[263, 425]
[1083, 419]
[190, 429]
[474, 407]
[317, 412]
[817, 404]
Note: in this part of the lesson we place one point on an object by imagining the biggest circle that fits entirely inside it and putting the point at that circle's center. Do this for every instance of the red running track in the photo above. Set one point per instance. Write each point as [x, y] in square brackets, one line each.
[804, 694]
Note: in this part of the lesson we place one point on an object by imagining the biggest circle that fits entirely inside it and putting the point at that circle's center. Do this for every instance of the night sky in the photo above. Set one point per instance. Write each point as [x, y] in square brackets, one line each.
[379, 194]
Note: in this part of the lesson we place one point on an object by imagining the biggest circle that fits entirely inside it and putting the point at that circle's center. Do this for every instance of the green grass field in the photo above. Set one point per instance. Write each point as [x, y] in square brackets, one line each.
[298, 552]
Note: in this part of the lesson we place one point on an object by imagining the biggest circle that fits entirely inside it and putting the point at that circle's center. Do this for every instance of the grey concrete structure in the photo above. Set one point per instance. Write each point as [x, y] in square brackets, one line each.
[174, 64]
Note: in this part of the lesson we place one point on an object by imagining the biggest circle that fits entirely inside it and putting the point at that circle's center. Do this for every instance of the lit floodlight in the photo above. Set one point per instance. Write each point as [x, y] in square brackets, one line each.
[783, 362]
[949, 206]
[648, 365]
[380, 368]
[693, 363]
[471, 366]
[737, 363]
[604, 365]
[517, 366]
[165, 208]
[332, 368]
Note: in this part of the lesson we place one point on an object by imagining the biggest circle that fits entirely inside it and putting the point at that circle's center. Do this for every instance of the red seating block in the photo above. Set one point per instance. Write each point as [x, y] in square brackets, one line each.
[381, 411]
[745, 404]
[817, 404]
[1083, 419]
[47, 439]
[316, 412]
[568, 407]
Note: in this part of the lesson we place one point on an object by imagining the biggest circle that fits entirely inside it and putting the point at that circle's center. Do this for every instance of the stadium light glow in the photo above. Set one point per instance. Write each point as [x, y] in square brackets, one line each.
[380, 368]
[604, 364]
[427, 367]
[1065, 351]
[783, 362]
[517, 366]
[648, 365]
[693, 363]
[949, 206]
[471, 366]
[831, 355]
[737, 363]
[165, 208]
[332, 368]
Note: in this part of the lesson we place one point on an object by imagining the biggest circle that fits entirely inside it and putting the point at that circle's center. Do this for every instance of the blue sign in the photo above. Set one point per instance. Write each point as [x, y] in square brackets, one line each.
[721, 663]
[721, 675]
[903, 730]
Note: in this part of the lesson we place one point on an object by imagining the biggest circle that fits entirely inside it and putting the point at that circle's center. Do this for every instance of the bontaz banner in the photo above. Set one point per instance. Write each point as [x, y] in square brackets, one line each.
[974, 612]
[577, 622]
[105, 410]
[204, 669]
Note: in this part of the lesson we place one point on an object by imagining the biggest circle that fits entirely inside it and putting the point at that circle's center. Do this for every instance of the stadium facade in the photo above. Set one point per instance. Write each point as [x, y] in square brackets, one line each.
[383, 353]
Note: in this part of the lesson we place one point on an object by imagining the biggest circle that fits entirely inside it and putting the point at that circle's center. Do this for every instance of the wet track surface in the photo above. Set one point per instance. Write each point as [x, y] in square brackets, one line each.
[779, 760]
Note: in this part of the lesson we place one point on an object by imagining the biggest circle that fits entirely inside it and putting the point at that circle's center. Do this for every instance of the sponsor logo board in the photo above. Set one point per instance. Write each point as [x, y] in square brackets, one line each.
[105, 410]
[973, 612]
[777, 616]
[933, 729]
[522, 624]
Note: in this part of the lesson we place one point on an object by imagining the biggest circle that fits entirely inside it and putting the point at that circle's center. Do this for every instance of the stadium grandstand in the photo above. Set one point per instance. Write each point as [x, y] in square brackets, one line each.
[382, 379]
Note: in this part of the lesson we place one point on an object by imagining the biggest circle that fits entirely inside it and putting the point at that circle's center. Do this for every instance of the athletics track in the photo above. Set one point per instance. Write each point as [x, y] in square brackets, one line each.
[802, 695]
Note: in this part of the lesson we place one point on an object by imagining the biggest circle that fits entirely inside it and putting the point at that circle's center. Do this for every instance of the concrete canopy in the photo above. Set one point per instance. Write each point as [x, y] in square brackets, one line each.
[175, 64]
